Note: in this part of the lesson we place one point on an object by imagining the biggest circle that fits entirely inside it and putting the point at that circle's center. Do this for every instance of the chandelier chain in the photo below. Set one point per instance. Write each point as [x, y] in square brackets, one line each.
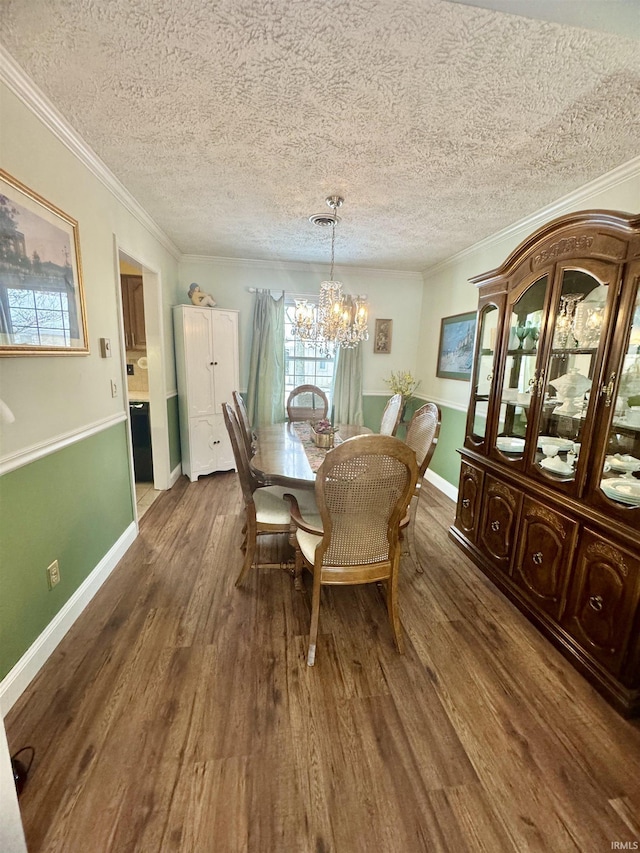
[339, 319]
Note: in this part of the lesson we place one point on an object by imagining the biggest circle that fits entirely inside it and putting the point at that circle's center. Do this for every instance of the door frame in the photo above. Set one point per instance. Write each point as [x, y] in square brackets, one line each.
[154, 328]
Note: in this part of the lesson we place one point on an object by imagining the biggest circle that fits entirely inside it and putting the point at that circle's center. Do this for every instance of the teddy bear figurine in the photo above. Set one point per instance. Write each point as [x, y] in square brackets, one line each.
[202, 300]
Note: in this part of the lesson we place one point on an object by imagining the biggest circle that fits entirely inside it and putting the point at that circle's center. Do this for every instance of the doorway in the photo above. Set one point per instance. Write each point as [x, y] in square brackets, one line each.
[137, 379]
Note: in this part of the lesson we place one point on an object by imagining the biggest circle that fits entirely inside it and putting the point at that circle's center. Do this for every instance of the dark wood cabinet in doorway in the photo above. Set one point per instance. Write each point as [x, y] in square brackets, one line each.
[133, 312]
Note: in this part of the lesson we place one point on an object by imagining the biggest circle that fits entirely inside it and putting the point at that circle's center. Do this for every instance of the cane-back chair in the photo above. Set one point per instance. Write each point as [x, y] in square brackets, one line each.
[243, 420]
[363, 488]
[266, 511]
[307, 403]
[422, 438]
[391, 415]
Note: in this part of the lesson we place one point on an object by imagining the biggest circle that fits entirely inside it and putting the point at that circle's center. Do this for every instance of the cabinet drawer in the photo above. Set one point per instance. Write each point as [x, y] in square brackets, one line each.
[469, 495]
[542, 566]
[603, 599]
[500, 510]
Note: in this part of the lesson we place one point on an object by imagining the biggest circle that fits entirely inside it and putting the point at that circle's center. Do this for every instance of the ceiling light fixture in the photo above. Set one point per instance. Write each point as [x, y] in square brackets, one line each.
[339, 319]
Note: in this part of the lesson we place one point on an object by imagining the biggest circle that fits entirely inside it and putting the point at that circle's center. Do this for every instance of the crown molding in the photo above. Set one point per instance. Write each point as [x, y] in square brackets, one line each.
[340, 271]
[16, 79]
[566, 204]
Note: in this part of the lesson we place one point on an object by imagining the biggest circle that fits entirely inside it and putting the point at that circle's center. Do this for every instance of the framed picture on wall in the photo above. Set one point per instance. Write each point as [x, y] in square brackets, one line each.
[42, 309]
[455, 352]
[382, 336]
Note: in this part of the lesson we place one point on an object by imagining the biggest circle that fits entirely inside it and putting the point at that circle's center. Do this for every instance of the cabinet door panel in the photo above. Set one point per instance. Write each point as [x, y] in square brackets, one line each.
[611, 484]
[198, 337]
[545, 547]
[204, 449]
[225, 348]
[225, 460]
[500, 510]
[487, 342]
[469, 495]
[136, 312]
[603, 599]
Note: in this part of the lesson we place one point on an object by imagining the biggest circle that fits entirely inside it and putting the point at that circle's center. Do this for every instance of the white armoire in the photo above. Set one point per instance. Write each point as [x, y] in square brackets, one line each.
[206, 342]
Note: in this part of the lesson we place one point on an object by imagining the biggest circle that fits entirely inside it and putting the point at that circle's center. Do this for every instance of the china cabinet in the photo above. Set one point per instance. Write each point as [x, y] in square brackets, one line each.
[206, 342]
[549, 495]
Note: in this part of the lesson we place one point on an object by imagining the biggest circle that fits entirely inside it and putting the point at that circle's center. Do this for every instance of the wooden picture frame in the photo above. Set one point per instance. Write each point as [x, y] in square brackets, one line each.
[382, 337]
[455, 350]
[42, 307]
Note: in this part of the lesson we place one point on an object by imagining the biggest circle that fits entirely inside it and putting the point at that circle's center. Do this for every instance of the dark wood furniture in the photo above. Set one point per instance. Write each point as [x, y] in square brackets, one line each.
[133, 312]
[549, 495]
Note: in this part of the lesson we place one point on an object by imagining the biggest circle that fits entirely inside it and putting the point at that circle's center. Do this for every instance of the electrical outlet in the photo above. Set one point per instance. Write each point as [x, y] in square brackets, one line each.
[114, 388]
[129, 369]
[53, 574]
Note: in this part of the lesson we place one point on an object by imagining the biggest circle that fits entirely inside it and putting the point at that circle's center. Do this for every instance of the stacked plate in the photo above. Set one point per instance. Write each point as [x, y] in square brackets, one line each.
[510, 444]
[622, 490]
[623, 463]
[561, 443]
[555, 464]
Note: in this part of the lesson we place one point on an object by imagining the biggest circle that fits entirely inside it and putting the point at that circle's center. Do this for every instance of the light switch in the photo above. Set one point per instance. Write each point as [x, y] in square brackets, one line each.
[105, 347]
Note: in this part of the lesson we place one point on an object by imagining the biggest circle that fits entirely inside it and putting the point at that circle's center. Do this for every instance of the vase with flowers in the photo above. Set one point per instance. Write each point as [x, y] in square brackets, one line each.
[323, 433]
[402, 382]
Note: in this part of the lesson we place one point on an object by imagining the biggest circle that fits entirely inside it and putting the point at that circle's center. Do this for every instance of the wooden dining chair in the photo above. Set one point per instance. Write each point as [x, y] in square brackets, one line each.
[391, 415]
[307, 403]
[243, 419]
[363, 488]
[266, 511]
[422, 438]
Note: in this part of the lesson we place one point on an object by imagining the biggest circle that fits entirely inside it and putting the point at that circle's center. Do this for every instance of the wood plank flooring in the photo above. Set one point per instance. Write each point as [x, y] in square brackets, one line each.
[179, 714]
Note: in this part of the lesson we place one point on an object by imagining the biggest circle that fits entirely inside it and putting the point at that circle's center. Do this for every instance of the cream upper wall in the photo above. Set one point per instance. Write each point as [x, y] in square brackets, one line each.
[52, 396]
[394, 295]
[448, 290]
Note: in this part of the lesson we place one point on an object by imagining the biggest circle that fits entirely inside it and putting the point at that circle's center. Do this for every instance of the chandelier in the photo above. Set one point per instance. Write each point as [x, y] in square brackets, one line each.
[339, 319]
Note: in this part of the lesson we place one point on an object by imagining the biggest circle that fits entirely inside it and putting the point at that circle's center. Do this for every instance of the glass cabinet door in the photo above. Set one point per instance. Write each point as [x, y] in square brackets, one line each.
[484, 368]
[620, 477]
[520, 369]
[564, 387]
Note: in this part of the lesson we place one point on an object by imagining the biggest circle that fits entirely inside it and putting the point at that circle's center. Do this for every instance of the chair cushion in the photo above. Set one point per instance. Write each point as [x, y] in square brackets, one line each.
[271, 508]
[308, 542]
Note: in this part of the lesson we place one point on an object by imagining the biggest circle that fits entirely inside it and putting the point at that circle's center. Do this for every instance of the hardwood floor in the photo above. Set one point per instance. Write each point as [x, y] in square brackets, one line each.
[179, 714]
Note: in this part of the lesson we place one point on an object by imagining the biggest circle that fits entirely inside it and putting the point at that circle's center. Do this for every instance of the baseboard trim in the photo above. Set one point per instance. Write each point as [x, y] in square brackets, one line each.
[175, 475]
[443, 485]
[18, 679]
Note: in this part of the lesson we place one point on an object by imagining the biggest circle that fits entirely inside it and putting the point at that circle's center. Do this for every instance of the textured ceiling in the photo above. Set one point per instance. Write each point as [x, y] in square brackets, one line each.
[231, 121]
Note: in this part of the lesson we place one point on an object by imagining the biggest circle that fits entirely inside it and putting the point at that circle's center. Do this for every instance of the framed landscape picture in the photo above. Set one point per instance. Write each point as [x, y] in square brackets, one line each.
[455, 353]
[42, 310]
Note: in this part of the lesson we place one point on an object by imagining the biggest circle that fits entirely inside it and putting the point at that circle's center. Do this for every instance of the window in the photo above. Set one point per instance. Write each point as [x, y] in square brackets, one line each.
[303, 364]
[39, 317]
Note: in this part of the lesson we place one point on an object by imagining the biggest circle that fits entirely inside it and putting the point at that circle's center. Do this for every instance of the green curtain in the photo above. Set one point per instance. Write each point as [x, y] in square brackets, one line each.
[347, 387]
[265, 394]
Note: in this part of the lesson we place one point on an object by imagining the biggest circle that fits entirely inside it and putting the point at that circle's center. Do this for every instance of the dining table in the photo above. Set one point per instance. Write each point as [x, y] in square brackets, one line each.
[287, 456]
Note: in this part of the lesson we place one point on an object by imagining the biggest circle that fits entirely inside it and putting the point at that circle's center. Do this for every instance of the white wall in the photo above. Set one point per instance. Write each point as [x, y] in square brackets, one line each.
[394, 295]
[54, 396]
[448, 290]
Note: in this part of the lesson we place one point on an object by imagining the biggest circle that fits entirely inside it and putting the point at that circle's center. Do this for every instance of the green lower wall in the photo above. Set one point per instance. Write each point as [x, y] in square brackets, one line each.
[70, 506]
[446, 459]
[173, 423]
